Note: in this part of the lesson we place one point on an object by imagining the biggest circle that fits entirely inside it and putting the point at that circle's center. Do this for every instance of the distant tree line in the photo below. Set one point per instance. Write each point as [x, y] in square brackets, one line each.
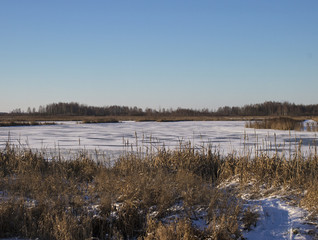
[270, 109]
[262, 109]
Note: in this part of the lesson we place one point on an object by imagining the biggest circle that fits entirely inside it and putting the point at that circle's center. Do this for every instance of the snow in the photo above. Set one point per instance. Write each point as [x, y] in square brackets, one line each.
[309, 124]
[278, 220]
[113, 138]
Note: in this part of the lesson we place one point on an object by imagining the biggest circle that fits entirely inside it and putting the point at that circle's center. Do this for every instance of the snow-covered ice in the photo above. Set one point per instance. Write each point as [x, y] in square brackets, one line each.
[113, 138]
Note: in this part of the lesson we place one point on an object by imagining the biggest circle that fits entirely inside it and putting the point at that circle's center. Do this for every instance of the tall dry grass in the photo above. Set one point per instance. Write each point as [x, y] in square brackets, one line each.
[137, 195]
[279, 123]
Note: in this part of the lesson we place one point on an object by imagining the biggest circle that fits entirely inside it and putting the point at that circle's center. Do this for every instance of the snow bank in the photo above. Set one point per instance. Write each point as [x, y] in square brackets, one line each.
[279, 221]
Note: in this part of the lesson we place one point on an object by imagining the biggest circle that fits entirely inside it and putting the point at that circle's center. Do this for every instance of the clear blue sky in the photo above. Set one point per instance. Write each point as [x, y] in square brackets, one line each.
[165, 53]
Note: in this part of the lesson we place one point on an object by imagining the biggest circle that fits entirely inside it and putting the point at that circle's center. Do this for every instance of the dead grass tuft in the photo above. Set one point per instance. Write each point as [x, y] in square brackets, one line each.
[179, 229]
[310, 200]
[249, 219]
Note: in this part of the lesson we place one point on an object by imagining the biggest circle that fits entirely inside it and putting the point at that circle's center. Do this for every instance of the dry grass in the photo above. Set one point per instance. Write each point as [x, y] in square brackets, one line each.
[136, 197]
[280, 123]
[105, 119]
[249, 218]
[179, 229]
[283, 123]
[23, 123]
[310, 200]
[108, 120]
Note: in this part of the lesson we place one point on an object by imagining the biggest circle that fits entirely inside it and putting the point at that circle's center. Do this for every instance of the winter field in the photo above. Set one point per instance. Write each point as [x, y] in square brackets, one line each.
[167, 180]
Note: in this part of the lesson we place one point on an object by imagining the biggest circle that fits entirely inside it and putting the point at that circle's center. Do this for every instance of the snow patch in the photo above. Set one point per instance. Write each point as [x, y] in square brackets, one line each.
[279, 221]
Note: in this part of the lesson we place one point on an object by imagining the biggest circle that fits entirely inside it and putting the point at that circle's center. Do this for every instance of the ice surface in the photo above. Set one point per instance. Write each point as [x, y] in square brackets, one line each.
[114, 138]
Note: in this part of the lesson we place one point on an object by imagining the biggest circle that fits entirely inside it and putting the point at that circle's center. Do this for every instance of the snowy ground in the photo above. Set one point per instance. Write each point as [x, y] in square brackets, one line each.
[113, 138]
[278, 220]
[279, 216]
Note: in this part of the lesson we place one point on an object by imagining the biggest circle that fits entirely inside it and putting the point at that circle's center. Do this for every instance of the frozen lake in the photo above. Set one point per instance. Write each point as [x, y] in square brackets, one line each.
[113, 138]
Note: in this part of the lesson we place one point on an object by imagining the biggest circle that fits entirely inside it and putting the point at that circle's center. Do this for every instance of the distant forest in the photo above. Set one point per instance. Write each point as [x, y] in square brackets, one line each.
[263, 109]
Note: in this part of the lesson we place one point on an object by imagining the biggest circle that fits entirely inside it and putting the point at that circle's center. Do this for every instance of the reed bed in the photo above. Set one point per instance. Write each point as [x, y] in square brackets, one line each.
[283, 123]
[141, 196]
[280, 123]
[5, 119]
[24, 123]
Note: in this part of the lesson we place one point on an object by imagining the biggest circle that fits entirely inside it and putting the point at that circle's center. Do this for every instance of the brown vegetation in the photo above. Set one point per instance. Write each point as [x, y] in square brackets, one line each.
[152, 196]
[29, 120]
[281, 123]
[13, 123]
